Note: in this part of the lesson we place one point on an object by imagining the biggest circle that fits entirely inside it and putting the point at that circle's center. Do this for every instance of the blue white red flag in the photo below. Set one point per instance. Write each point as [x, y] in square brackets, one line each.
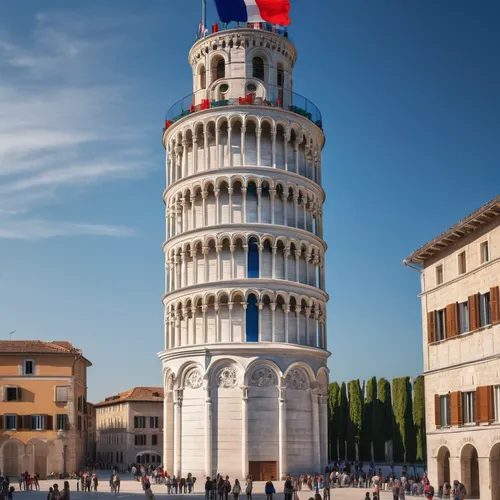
[254, 11]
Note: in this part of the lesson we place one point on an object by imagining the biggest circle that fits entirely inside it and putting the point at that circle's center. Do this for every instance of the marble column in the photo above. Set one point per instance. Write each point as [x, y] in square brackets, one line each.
[244, 432]
[315, 431]
[178, 431]
[208, 432]
[282, 430]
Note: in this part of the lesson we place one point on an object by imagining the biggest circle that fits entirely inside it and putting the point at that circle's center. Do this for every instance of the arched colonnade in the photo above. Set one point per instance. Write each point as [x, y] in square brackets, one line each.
[242, 140]
[245, 316]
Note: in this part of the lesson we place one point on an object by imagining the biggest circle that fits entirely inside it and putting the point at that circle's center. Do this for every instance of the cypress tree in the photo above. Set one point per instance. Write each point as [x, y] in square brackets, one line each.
[343, 420]
[385, 410]
[355, 417]
[369, 432]
[333, 420]
[404, 442]
[419, 417]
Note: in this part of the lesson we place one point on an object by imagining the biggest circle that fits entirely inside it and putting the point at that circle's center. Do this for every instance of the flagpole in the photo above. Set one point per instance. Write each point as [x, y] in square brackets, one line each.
[204, 13]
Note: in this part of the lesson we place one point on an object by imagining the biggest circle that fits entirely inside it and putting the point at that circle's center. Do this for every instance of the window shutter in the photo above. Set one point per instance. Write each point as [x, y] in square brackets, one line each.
[474, 312]
[19, 394]
[19, 423]
[1, 422]
[456, 408]
[3, 394]
[451, 320]
[27, 422]
[20, 369]
[437, 410]
[495, 304]
[431, 327]
[49, 422]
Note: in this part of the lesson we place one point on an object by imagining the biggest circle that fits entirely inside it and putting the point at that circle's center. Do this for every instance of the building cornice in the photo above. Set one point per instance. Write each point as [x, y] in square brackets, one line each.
[273, 229]
[248, 171]
[259, 349]
[476, 220]
[252, 283]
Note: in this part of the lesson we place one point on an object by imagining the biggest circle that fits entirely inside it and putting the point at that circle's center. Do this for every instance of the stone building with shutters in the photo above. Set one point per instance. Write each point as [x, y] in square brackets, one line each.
[244, 363]
[460, 279]
[129, 427]
[43, 418]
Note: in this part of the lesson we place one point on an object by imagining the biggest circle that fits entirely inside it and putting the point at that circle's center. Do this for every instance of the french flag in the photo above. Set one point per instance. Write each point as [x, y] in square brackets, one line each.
[254, 11]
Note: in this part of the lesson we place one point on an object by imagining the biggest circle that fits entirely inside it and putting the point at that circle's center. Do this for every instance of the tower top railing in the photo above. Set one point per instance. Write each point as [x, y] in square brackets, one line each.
[218, 27]
[299, 105]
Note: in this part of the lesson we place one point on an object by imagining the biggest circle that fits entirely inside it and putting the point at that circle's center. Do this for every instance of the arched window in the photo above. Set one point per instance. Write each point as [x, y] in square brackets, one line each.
[202, 77]
[280, 76]
[253, 258]
[252, 320]
[220, 71]
[258, 68]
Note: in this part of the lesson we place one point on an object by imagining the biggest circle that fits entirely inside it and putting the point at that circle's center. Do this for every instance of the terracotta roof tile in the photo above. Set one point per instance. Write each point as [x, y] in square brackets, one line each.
[37, 346]
[152, 394]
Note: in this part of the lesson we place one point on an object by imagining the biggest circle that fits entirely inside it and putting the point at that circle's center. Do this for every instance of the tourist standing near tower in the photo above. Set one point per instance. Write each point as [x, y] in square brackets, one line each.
[245, 354]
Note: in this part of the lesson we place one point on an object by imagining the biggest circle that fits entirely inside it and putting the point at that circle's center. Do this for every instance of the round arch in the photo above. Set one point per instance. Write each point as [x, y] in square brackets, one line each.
[495, 471]
[443, 465]
[469, 466]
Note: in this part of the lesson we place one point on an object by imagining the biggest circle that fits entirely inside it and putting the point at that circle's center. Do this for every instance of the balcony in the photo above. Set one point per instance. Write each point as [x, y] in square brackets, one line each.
[299, 105]
[218, 27]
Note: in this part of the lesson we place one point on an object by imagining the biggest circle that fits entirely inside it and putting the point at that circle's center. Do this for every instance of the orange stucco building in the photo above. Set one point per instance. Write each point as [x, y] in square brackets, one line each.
[43, 407]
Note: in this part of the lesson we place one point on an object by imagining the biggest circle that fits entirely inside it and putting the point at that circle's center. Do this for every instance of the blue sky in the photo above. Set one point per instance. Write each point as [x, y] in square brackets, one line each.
[411, 111]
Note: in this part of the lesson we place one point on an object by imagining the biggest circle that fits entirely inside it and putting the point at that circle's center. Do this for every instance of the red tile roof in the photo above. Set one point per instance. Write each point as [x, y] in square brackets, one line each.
[39, 347]
[145, 394]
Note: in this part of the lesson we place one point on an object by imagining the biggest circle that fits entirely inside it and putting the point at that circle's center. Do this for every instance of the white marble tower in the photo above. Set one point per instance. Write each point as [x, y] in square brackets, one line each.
[245, 354]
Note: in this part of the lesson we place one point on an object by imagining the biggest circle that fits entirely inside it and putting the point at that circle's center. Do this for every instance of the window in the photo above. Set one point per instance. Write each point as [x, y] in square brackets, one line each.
[80, 403]
[10, 422]
[440, 324]
[469, 407]
[252, 320]
[79, 422]
[154, 440]
[484, 252]
[280, 77]
[13, 394]
[203, 77]
[462, 263]
[121, 457]
[29, 367]
[258, 68]
[484, 309]
[61, 394]
[220, 69]
[253, 258]
[140, 440]
[62, 422]
[139, 422]
[496, 403]
[463, 317]
[439, 274]
[37, 422]
[444, 402]
[154, 422]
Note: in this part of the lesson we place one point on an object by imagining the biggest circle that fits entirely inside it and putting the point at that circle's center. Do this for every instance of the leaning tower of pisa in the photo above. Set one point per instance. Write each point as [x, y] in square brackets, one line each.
[245, 355]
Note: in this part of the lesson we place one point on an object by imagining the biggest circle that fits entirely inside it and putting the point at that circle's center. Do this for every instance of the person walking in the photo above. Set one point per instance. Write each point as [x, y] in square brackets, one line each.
[288, 488]
[65, 492]
[227, 488]
[270, 490]
[209, 486]
[220, 487]
[148, 492]
[249, 487]
[36, 479]
[236, 489]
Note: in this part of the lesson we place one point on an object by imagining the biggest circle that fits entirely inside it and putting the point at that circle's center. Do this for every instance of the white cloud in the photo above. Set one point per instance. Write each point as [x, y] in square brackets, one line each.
[37, 229]
[59, 126]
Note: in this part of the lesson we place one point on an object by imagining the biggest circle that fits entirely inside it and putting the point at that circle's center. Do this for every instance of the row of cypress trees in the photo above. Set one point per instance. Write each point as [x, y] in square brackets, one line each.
[374, 414]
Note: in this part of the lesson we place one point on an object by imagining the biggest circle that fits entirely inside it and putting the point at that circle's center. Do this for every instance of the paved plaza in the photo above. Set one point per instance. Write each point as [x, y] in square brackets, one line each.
[130, 489]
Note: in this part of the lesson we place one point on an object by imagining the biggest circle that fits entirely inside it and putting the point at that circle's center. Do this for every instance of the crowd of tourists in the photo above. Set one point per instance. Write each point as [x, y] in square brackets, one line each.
[220, 487]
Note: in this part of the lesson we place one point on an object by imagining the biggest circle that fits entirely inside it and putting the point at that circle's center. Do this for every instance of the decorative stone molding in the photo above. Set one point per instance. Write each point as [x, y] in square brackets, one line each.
[194, 378]
[263, 377]
[227, 377]
[296, 379]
